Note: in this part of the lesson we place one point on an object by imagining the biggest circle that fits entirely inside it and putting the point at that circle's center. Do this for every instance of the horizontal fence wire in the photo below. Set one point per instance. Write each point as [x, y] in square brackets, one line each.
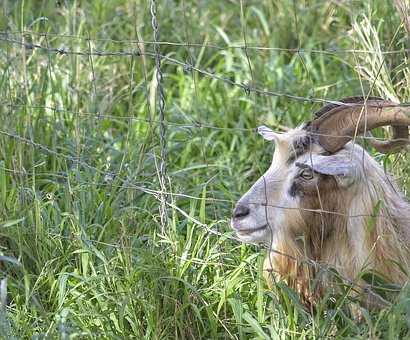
[11, 38]
[331, 51]
[192, 125]
[112, 177]
[186, 66]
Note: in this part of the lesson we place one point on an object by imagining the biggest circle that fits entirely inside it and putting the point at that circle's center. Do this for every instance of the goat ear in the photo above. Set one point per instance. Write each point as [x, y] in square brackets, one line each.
[339, 166]
[267, 133]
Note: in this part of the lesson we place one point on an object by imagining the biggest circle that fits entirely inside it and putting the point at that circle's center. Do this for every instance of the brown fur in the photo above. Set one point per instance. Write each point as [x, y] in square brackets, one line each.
[334, 238]
[350, 215]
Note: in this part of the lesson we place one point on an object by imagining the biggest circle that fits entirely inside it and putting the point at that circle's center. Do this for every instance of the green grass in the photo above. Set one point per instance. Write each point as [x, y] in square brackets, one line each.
[81, 244]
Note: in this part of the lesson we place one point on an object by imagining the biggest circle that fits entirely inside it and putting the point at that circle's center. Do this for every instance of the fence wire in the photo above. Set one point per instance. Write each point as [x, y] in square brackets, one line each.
[166, 197]
[331, 51]
[186, 66]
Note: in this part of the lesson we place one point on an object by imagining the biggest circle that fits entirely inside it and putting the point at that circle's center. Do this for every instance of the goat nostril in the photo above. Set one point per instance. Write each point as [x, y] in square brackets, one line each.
[241, 211]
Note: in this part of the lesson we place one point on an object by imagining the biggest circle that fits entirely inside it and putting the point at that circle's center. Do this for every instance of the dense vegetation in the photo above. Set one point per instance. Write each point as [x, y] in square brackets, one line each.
[82, 245]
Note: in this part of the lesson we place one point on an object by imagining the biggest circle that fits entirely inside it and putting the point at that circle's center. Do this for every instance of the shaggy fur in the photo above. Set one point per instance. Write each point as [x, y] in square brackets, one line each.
[353, 223]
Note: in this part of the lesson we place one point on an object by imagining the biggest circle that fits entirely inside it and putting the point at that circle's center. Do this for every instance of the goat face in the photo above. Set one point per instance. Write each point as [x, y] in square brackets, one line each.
[316, 198]
[302, 180]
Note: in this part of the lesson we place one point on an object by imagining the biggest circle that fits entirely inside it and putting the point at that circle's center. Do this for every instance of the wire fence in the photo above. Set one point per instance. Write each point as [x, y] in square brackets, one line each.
[29, 41]
[187, 67]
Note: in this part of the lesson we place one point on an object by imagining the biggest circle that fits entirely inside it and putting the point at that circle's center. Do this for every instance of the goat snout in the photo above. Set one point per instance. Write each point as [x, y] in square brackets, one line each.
[240, 211]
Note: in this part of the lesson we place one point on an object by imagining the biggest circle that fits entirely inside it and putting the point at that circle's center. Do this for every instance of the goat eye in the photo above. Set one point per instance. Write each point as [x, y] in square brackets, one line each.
[306, 174]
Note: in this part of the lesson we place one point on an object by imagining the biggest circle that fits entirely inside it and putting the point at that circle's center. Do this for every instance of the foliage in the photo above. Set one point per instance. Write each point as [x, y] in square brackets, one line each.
[81, 245]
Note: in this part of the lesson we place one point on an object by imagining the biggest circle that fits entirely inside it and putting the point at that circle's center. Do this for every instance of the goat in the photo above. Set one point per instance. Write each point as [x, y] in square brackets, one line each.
[324, 199]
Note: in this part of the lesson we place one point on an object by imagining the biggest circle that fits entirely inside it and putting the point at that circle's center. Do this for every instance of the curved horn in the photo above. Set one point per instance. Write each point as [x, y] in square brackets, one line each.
[335, 125]
[398, 142]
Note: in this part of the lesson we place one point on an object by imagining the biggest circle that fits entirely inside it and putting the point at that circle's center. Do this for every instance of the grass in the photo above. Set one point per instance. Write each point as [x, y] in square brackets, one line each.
[81, 245]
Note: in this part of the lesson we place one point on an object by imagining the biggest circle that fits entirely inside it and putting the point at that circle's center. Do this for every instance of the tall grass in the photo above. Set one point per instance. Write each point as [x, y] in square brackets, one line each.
[81, 246]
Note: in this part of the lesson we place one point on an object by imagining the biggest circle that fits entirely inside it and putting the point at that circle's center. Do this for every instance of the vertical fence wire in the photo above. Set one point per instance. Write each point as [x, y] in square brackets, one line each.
[164, 188]
[162, 125]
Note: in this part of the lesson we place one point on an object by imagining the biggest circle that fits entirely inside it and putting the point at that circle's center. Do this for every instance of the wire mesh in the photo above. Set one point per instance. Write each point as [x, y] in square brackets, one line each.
[154, 121]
